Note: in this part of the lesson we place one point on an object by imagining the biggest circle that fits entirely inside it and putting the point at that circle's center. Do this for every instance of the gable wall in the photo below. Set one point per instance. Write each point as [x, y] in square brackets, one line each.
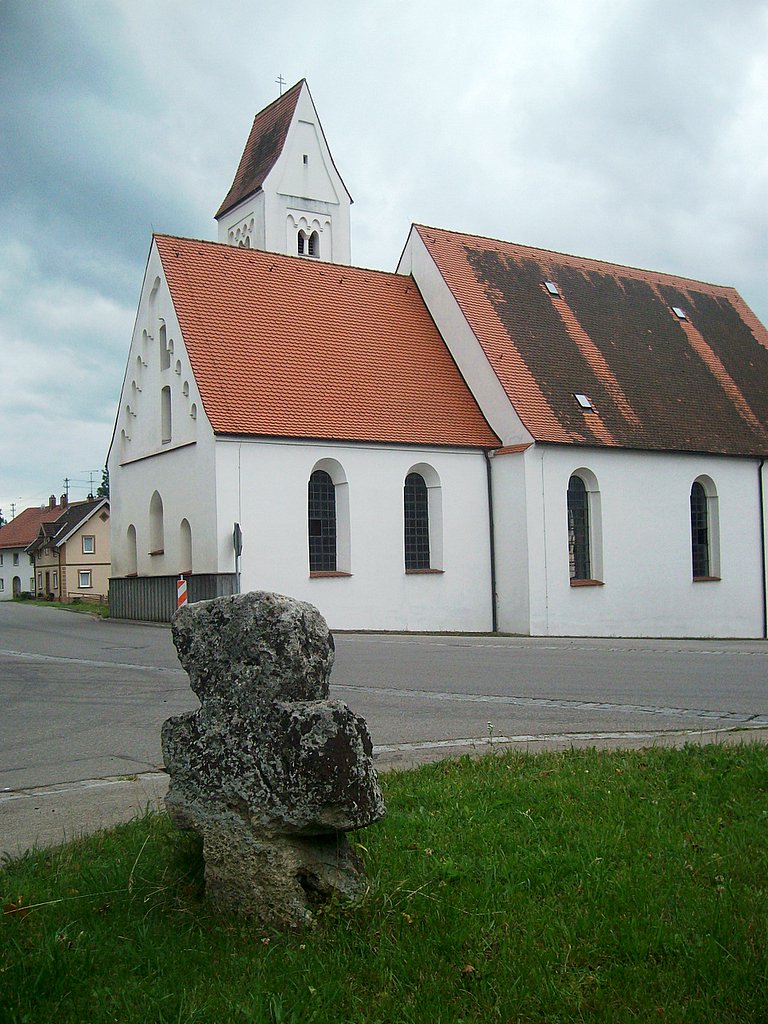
[141, 462]
[263, 486]
[73, 559]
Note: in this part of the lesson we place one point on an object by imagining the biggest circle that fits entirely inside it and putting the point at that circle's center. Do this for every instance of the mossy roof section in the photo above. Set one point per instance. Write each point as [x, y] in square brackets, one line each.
[291, 347]
[264, 146]
[654, 381]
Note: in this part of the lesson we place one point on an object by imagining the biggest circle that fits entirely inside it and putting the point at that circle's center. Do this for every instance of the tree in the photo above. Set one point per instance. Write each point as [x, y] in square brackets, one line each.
[103, 491]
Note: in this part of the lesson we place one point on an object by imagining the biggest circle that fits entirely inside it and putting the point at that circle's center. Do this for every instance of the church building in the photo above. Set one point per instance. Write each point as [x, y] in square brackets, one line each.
[492, 438]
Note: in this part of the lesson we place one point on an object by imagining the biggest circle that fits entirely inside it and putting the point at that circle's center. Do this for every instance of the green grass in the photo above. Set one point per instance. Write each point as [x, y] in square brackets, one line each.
[89, 607]
[579, 886]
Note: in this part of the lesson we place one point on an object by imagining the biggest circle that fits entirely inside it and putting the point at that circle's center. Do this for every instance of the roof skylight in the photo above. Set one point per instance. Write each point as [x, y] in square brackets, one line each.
[679, 313]
[584, 402]
[552, 288]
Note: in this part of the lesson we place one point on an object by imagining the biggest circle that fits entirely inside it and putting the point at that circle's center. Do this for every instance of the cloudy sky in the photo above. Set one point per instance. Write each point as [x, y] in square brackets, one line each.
[634, 131]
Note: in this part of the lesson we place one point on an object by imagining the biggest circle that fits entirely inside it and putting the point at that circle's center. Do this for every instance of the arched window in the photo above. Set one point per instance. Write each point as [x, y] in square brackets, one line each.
[301, 243]
[165, 415]
[313, 245]
[579, 554]
[322, 522]
[156, 529]
[131, 552]
[416, 522]
[165, 349]
[705, 541]
[185, 558]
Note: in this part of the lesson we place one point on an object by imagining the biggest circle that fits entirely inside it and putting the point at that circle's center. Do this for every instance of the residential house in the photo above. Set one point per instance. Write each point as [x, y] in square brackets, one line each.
[72, 554]
[496, 437]
[17, 573]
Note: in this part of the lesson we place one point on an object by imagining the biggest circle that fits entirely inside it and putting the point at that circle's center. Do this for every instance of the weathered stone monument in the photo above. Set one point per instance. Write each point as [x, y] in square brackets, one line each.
[268, 770]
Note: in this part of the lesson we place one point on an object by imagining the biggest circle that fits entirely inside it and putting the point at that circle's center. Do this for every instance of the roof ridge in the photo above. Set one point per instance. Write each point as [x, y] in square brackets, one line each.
[267, 253]
[591, 260]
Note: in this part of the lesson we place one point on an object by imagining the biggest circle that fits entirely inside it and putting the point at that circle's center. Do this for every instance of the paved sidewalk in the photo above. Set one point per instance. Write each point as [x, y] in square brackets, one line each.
[50, 815]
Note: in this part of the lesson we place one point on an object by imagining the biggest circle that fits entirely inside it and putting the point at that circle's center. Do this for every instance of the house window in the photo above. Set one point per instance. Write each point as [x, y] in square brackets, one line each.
[55, 580]
[1, 558]
[579, 560]
[15, 557]
[322, 522]
[301, 243]
[39, 581]
[84, 579]
[89, 545]
[2, 584]
[705, 533]
[313, 244]
[416, 519]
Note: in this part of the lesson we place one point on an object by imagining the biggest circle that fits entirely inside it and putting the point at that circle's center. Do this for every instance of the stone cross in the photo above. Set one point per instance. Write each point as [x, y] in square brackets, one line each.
[269, 770]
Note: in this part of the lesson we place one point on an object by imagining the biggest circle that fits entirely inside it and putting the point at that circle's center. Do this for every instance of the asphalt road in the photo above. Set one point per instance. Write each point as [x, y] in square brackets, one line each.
[82, 701]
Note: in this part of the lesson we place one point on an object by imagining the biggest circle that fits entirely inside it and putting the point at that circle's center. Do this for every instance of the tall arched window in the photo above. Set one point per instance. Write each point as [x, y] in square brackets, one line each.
[579, 555]
[166, 432]
[322, 522]
[131, 552]
[156, 528]
[416, 522]
[165, 348]
[301, 243]
[705, 530]
[313, 244]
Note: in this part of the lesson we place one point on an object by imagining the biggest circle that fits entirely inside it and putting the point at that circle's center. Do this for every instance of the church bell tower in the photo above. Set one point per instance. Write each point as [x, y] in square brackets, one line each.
[287, 195]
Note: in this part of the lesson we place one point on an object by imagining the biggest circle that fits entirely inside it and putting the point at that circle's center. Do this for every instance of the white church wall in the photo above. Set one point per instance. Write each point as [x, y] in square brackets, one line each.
[263, 486]
[461, 340]
[644, 544]
[182, 480]
[511, 530]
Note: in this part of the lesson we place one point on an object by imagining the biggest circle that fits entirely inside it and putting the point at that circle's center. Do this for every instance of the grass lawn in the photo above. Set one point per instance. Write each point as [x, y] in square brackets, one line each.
[89, 607]
[578, 886]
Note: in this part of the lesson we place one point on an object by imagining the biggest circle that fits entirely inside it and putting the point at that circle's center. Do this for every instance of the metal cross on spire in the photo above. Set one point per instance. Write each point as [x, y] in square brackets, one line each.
[281, 82]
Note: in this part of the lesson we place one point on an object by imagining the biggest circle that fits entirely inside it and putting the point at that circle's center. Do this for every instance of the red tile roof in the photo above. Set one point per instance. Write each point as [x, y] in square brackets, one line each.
[265, 144]
[654, 381]
[291, 347]
[23, 529]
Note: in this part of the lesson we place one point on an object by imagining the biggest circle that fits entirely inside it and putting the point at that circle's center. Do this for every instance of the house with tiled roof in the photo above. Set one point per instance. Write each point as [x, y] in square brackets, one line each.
[495, 437]
[71, 555]
[17, 566]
